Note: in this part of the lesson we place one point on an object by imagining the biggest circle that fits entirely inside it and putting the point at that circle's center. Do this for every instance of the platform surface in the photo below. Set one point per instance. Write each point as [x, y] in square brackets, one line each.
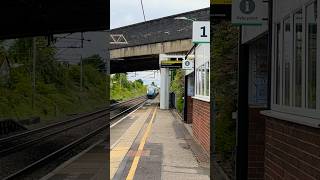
[147, 144]
[88, 165]
[155, 146]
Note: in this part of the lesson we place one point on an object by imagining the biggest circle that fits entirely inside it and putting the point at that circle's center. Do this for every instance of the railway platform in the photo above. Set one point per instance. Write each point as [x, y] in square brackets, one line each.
[155, 144]
[88, 165]
[146, 144]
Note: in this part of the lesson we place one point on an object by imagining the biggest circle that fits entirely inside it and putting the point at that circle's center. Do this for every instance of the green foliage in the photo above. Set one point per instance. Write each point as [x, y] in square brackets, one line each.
[96, 62]
[224, 87]
[177, 86]
[57, 91]
[139, 81]
[123, 89]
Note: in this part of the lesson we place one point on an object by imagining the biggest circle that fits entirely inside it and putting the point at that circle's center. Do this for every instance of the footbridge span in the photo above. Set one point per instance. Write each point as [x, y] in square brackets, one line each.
[137, 47]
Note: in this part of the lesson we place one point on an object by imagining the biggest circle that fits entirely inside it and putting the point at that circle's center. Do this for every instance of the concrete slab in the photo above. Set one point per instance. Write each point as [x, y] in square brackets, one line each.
[124, 137]
[89, 165]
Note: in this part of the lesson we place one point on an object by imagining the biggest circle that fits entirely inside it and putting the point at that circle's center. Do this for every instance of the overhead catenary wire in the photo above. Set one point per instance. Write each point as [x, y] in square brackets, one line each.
[144, 15]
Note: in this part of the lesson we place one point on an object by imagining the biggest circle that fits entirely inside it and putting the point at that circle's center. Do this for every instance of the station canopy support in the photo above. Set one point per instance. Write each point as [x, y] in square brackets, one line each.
[167, 62]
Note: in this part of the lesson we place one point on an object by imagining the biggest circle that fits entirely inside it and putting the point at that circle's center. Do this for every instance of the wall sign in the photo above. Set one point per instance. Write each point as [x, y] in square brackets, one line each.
[170, 64]
[249, 12]
[187, 64]
[201, 32]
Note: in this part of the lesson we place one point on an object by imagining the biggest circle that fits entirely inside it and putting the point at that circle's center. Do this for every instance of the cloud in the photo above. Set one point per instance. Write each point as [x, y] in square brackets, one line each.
[124, 12]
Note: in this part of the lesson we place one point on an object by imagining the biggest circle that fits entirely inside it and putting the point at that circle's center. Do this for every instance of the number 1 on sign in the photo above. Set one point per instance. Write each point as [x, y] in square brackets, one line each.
[203, 32]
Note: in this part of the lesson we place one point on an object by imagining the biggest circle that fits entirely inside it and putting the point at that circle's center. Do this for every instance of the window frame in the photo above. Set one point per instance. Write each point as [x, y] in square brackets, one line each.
[200, 72]
[302, 111]
[294, 100]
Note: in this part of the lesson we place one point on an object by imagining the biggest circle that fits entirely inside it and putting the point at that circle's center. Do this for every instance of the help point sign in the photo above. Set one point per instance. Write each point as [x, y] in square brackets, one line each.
[249, 12]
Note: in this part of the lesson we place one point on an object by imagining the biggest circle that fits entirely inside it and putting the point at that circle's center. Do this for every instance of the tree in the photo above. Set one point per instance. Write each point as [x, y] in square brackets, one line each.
[140, 81]
[96, 61]
[177, 86]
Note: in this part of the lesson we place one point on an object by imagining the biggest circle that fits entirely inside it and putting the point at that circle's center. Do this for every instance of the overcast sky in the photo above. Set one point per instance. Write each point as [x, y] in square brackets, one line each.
[126, 12]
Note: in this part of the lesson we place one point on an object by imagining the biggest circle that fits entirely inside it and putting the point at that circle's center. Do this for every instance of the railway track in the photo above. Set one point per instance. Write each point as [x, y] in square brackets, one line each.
[49, 142]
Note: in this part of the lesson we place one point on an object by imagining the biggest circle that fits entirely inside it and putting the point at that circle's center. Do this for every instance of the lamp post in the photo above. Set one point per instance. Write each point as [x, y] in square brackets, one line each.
[34, 57]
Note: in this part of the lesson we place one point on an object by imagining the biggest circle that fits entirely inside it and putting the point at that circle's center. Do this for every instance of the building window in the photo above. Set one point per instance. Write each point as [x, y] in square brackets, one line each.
[286, 61]
[277, 64]
[295, 63]
[311, 21]
[207, 77]
[202, 71]
[298, 59]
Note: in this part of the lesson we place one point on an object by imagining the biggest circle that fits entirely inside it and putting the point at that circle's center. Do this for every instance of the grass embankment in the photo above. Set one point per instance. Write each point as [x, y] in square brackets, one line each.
[50, 101]
[57, 93]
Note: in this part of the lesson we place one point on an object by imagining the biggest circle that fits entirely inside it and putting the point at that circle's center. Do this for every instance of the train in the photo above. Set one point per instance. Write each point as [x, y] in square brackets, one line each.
[152, 92]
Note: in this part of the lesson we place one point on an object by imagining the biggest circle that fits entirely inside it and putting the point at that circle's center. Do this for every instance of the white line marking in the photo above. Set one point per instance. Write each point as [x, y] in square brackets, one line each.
[125, 117]
[115, 143]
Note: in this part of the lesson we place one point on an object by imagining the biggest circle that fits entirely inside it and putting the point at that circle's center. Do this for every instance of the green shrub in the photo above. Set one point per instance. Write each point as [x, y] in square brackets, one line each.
[224, 75]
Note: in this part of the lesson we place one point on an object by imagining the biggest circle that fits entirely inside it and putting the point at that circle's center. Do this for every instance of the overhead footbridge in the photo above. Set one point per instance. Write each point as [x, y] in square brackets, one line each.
[137, 47]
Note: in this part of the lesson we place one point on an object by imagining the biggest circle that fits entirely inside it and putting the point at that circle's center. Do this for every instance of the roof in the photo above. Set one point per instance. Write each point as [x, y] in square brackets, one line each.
[22, 18]
[159, 30]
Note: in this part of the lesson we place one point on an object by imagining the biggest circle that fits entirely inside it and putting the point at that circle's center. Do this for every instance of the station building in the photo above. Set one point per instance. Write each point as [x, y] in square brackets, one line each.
[197, 95]
[283, 100]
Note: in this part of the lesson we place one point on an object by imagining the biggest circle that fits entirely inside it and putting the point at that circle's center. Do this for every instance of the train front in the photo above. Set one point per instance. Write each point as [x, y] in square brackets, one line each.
[151, 93]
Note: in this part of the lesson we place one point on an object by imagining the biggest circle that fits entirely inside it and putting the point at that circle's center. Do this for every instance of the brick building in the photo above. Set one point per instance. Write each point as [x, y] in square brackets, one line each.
[197, 101]
[283, 129]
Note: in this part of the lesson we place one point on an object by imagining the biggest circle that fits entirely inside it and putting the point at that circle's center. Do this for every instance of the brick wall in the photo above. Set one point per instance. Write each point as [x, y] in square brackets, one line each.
[201, 123]
[256, 142]
[292, 151]
[189, 109]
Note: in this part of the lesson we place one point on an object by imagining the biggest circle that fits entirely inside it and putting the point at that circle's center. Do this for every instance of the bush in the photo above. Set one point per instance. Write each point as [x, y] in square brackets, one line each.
[177, 86]
[224, 75]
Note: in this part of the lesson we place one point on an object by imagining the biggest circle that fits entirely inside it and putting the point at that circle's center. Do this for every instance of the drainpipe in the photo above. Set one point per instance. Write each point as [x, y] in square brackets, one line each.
[242, 121]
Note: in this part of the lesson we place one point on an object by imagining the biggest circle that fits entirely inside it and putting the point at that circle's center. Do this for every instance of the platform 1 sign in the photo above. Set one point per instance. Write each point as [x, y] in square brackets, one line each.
[201, 32]
[249, 12]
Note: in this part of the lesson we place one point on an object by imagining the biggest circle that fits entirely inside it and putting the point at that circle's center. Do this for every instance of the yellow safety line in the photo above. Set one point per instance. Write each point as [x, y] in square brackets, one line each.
[136, 159]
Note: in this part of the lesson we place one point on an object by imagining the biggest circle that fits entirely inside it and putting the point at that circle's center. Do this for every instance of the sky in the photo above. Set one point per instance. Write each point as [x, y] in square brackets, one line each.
[147, 76]
[126, 12]
[94, 43]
